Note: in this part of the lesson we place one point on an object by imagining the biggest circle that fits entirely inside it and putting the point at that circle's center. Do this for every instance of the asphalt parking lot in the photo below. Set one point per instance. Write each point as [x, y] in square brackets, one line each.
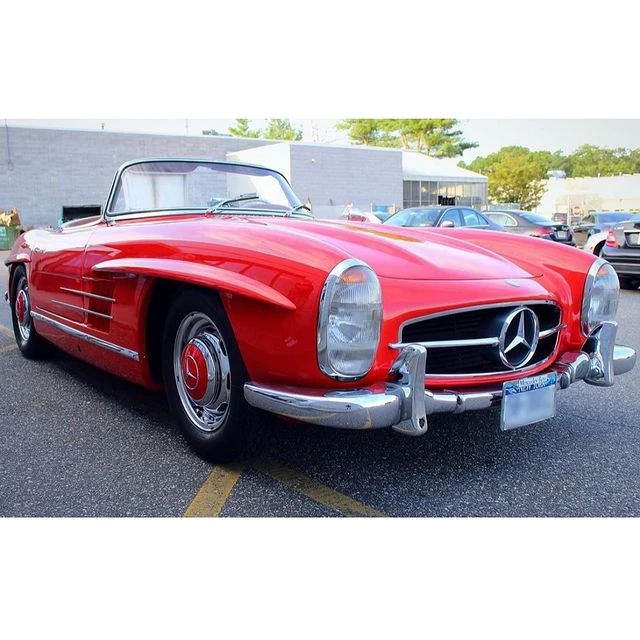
[79, 442]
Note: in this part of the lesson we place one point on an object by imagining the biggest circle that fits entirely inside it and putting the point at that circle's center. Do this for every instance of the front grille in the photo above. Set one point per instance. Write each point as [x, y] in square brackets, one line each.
[458, 328]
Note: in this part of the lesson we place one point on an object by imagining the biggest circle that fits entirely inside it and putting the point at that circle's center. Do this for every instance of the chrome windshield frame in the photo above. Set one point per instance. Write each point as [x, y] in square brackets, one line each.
[110, 216]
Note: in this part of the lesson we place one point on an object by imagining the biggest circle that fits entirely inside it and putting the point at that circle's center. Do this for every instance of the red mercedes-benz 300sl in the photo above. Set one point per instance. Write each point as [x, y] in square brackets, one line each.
[211, 280]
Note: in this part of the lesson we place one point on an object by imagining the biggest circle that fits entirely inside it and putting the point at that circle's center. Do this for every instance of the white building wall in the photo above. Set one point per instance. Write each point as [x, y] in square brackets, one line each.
[332, 177]
[275, 156]
[581, 195]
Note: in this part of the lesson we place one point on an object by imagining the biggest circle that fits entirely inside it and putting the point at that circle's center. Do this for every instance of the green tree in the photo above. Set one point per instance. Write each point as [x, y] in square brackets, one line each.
[437, 138]
[241, 130]
[367, 131]
[589, 160]
[278, 129]
[515, 175]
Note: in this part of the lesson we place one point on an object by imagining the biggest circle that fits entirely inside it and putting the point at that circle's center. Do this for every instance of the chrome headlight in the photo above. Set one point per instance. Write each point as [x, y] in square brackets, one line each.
[349, 321]
[601, 292]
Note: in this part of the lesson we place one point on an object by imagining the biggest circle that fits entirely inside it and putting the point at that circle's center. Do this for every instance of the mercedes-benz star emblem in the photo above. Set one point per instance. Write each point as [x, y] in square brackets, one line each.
[519, 337]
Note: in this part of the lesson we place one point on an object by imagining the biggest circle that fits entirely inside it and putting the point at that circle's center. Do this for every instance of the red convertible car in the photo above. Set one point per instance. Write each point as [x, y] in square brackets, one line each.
[211, 280]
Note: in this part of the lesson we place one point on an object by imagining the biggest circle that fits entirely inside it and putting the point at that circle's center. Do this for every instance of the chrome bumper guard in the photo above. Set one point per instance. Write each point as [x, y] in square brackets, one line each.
[405, 405]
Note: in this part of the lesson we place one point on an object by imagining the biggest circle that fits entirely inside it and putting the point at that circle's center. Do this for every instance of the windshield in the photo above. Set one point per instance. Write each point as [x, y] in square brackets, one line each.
[184, 184]
[536, 218]
[414, 218]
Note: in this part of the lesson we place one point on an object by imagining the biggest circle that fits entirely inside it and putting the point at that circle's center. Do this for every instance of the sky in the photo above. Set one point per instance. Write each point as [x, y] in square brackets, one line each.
[538, 134]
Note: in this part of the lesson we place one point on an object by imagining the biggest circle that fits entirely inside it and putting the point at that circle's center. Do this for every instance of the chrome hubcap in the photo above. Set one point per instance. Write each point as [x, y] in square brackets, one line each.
[202, 371]
[23, 311]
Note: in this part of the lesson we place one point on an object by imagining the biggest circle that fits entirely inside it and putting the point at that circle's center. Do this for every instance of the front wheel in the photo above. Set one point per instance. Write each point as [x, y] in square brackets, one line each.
[204, 377]
[29, 341]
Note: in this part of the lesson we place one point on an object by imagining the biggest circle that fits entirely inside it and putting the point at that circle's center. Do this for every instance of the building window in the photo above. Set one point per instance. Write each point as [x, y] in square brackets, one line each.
[427, 193]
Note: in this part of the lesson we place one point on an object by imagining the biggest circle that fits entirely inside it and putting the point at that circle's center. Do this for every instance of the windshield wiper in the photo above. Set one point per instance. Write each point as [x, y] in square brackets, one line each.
[298, 208]
[241, 198]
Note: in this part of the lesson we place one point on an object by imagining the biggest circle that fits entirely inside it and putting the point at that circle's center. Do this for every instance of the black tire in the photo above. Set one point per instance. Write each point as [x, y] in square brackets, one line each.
[30, 343]
[598, 249]
[628, 283]
[204, 377]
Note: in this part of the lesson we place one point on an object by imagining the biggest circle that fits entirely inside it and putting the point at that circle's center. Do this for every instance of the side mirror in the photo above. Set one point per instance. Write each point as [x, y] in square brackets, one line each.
[447, 223]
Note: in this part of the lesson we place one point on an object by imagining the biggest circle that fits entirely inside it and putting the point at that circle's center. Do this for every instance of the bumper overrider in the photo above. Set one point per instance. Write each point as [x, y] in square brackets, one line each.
[404, 405]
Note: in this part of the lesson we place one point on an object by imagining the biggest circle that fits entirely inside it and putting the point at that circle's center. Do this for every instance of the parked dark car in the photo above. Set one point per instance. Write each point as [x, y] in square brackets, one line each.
[454, 216]
[622, 251]
[532, 224]
[597, 222]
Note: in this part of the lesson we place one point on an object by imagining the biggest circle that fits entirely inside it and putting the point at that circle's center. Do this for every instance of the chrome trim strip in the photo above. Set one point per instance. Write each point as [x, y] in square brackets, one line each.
[95, 296]
[513, 303]
[123, 351]
[465, 376]
[471, 342]
[490, 341]
[445, 344]
[549, 332]
[77, 308]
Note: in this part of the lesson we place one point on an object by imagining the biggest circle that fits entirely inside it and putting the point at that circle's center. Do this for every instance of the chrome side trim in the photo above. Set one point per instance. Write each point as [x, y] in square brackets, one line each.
[77, 308]
[95, 296]
[81, 335]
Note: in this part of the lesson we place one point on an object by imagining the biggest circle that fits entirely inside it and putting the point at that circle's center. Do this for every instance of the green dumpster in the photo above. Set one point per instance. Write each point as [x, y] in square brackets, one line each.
[8, 236]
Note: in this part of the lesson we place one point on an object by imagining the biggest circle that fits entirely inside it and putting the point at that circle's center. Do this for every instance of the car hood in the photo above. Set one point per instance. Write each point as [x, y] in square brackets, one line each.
[416, 254]
[392, 252]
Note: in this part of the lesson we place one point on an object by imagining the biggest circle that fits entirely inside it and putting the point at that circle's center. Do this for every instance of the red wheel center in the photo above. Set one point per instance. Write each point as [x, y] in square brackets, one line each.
[21, 307]
[194, 372]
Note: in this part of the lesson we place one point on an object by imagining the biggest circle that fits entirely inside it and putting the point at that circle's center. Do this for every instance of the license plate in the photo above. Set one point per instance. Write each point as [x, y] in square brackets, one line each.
[561, 234]
[633, 238]
[528, 400]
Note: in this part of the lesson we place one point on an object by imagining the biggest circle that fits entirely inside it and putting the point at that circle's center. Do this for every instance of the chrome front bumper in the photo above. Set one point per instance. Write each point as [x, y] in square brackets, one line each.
[405, 405]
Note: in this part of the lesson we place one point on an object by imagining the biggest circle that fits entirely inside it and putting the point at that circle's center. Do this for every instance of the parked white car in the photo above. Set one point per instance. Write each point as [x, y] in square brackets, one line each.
[595, 242]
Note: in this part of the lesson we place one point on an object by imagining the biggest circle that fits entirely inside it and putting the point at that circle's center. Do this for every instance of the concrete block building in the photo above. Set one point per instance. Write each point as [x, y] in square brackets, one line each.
[44, 170]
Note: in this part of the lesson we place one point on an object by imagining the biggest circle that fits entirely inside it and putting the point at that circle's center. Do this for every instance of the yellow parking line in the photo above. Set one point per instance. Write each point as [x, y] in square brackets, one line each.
[6, 330]
[318, 492]
[9, 347]
[214, 493]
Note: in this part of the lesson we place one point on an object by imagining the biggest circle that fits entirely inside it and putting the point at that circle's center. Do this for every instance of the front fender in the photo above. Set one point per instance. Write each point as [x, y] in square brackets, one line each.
[199, 274]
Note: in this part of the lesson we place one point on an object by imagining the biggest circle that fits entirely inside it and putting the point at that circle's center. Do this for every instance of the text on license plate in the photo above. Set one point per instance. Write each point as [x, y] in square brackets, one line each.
[528, 400]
